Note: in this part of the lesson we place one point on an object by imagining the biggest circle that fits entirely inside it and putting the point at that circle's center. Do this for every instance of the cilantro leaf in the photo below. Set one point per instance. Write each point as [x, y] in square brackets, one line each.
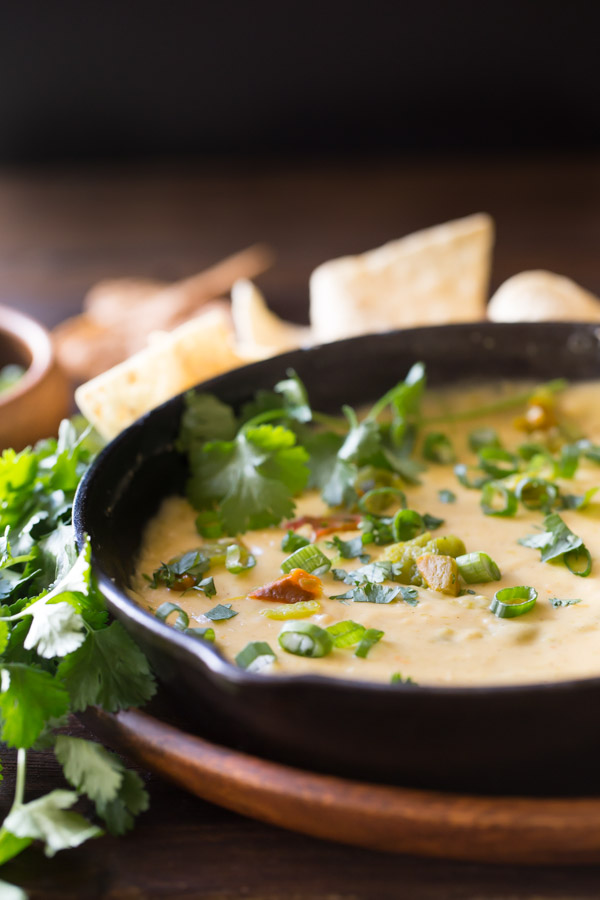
[432, 522]
[371, 593]
[108, 669]
[89, 767]
[46, 820]
[253, 478]
[352, 549]
[56, 629]
[118, 793]
[220, 612]
[28, 698]
[295, 397]
[446, 496]
[556, 540]
[322, 448]
[131, 800]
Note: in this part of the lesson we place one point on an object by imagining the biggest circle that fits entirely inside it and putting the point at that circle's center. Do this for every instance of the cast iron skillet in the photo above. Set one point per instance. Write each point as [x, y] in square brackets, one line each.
[532, 738]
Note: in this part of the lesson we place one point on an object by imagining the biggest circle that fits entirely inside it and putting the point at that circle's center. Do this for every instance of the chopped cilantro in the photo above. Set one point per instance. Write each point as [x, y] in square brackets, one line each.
[556, 540]
[252, 478]
[352, 549]
[556, 602]
[370, 592]
[220, 612]
[447, 496]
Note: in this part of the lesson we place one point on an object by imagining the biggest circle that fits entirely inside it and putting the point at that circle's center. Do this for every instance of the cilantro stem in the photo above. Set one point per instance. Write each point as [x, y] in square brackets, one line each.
[559, 384]
[266, 416]
[20, 782]
[330, 421]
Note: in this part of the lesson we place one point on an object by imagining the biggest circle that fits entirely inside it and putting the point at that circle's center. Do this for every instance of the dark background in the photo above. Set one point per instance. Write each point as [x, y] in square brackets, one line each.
[90, 80]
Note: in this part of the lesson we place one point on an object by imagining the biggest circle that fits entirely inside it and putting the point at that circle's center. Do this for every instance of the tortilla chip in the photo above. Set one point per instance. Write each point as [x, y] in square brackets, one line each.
[542, 296]
[260, 333]
[431, 277]
[174, 362]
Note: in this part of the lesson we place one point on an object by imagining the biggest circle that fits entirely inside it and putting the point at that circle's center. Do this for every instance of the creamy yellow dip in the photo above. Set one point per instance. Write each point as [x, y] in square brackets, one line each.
[443, 640]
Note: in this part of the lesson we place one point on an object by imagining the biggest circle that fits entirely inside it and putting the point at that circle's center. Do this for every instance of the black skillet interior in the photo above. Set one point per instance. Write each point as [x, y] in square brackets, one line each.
[533, 739]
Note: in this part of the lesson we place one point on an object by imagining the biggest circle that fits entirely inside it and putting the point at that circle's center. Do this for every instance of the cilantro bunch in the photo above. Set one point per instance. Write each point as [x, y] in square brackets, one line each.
[58, 653]
[246, 471]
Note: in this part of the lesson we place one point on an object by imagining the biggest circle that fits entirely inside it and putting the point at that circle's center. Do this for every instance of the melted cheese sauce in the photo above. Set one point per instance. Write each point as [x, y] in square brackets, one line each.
[443, 640]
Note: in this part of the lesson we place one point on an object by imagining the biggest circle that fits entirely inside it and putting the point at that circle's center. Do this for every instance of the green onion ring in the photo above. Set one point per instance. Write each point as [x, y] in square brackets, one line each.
[309, 558]
[255, 656]
[164, 611]
[571, 559]
[381, 493]
[536, 493]
[476, 568]
[477, 481]
[371, 637]
[437, 447]
[407, 524]
[504, 606]
[491, 457]
[491, 491]
[305, 639]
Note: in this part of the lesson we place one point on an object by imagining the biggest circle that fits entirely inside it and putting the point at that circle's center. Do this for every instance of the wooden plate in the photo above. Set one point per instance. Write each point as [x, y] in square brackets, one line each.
[564, 831]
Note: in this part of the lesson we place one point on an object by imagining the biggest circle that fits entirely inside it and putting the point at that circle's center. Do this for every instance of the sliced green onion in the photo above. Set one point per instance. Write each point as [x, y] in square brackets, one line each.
[575, 501]
[515, 601]
[309, 558]
[398, 678]
[255, 656]
[305, 639]
[300, 610]
[536, 493]
[205, 634]
[166, 609]
[497, 462]
[379, 499]
[292, 542]
[579, 561]
[238, 560]
[483, 437]
[569, 460]
[543, 466]
[529, 449]
[371, 637]
[220, 612]
[498, 500]
[475, 568]
[346, 634]
[437, 447]
[407, 524]
[469, 476]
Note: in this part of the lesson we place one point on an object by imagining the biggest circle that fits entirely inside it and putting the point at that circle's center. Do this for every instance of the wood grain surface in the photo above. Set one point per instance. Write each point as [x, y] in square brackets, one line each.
[521, 830]
[63, 229]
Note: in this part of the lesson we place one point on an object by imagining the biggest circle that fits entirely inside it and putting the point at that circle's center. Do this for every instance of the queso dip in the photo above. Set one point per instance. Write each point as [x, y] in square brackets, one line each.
[436, 638]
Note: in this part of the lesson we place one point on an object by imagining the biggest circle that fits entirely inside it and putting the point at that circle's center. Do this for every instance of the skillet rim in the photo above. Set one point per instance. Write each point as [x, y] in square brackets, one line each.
[209, 655]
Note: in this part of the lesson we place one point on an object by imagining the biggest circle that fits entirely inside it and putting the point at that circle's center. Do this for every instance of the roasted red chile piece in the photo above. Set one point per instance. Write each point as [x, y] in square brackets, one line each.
[298, 585]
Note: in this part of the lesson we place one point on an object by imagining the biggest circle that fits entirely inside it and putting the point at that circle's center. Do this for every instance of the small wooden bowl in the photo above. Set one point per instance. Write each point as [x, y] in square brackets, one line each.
[33, 408]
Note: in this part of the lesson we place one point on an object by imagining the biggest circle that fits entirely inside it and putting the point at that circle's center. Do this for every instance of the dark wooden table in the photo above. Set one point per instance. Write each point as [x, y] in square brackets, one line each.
[63, 229]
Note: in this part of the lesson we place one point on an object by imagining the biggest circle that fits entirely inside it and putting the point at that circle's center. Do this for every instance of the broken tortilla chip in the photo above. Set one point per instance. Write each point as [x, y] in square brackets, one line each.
[260, 333]
[434, 276]
[540, 296]
[174, 362]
